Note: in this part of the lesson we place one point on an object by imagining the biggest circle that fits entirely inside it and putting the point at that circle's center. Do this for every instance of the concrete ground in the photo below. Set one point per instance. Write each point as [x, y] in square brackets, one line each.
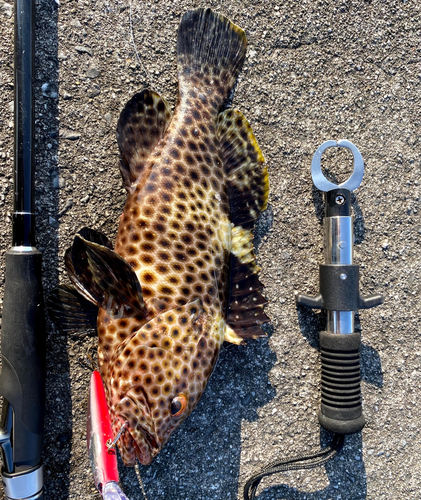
[314, 71]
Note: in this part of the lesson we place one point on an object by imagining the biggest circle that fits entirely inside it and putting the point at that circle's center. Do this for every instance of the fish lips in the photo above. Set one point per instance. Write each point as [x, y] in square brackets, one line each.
[140, 439]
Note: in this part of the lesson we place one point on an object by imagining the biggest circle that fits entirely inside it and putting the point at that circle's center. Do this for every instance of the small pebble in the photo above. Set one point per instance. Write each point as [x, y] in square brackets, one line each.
[83, 50]
[53, 222]
[92, 73]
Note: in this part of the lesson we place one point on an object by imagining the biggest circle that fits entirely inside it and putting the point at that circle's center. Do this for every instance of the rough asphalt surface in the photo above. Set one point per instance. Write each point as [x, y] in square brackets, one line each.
[314, 71]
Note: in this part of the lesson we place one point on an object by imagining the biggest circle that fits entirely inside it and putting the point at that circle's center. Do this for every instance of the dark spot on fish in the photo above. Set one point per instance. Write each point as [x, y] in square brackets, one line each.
[179, 142]
[162, 269]
[166, 171]
[166, 197]
[183, 132]
[148, 278]
[194, 175]
[163, 256]
[180, 169]
[188, 120]
[175, 225]
[215, 185]
[159, 227]
[188, 278]
[187, 183]
[189, 159]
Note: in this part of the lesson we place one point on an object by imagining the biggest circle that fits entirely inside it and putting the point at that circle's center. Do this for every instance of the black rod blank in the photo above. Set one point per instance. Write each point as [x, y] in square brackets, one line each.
[23, 216]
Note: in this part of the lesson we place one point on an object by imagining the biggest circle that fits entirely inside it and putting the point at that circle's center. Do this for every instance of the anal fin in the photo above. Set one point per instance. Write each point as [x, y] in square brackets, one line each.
[141, 126]
[246, 302]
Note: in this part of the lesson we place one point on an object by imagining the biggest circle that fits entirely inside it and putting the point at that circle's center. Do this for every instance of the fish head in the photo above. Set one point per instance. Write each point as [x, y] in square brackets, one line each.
[158, 378]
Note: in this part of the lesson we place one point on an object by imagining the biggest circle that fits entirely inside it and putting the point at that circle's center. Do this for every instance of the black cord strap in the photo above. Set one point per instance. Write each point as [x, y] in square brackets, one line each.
[296, 463]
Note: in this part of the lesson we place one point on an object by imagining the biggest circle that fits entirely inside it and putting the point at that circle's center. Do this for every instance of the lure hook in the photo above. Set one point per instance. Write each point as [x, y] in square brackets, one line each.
[111, 444]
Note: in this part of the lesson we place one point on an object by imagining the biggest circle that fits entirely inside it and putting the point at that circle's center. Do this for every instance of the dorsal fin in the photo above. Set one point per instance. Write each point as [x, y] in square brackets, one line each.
[248, 180]
[248, 187]
[141, 126]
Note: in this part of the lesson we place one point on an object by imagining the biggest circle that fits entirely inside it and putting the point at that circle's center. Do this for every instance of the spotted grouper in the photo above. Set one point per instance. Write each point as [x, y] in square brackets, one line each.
[182, 277]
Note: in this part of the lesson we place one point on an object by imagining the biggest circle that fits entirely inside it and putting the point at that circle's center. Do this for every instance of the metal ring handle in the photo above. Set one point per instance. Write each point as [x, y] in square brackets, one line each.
[320, 180]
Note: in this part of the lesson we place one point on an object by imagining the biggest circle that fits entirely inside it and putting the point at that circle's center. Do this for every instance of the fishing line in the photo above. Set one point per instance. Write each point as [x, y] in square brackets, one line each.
[134, 45]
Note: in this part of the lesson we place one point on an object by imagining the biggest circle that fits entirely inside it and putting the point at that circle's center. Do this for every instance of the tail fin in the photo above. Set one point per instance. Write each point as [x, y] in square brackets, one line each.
[211, 49]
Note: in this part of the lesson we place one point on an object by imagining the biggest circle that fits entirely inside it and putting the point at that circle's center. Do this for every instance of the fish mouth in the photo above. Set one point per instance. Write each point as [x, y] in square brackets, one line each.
[140, 439]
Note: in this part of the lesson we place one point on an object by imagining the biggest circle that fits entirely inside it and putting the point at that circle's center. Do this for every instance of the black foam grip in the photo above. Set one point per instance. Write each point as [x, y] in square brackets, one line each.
[22, 376]
[341, 409]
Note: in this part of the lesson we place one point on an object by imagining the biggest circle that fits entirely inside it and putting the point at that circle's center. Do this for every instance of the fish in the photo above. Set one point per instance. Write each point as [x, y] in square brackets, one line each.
[182, 277]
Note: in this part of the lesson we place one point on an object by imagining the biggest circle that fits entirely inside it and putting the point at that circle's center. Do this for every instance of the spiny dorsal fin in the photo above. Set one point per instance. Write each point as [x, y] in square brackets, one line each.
[248, 180]
[141, 126]
[104, 277]
[70, 312]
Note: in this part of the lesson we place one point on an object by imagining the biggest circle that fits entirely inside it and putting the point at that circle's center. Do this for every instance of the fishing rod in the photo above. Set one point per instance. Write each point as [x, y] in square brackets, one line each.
[22, 377]
[341, 408]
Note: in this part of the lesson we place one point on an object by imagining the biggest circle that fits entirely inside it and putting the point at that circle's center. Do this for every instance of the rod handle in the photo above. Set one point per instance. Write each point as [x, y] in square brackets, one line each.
[22, 378]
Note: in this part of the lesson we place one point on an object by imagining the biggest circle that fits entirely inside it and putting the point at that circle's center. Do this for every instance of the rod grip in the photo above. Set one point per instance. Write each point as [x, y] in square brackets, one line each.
[22, 378]
[341, 409]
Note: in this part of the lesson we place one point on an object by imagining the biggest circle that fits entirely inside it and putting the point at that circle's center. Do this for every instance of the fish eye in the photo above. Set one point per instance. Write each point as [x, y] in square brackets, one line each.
[178, 405]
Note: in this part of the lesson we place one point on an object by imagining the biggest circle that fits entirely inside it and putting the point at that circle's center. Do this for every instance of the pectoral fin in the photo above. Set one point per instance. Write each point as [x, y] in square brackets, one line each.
[104, 277]
[71, 312]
